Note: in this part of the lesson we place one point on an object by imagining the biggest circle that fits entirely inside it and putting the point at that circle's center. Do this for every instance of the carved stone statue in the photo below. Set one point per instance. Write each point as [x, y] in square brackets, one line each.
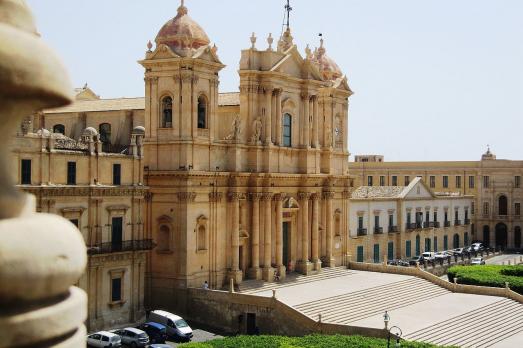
[256, 131]
[236, 129]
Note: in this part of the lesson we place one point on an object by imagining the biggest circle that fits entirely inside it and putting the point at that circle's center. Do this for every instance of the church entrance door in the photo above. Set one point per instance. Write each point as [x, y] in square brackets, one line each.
[501, 236]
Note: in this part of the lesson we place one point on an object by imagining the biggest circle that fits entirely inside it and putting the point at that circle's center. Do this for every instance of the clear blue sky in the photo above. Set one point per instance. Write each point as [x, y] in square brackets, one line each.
[433, 80]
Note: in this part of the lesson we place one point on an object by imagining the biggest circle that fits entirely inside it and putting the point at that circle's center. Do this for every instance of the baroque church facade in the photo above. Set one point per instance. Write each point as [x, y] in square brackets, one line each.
[253, 188]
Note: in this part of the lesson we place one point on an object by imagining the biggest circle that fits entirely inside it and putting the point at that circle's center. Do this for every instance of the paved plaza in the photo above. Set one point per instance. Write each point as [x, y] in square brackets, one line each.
[423, 310]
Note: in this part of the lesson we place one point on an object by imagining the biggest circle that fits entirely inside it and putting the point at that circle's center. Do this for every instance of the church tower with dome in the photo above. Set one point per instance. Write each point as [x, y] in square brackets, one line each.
[248, 185]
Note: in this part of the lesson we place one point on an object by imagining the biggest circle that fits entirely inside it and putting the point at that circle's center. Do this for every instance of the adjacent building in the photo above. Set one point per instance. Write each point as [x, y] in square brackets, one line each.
[101, 192]
[397, 222]
[495, 185]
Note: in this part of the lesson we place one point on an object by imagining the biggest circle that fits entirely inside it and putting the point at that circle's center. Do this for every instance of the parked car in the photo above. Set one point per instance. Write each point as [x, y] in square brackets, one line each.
[176, 327]
[133, 337]
[477, 261]
[477, 247]
[442, 255]
[392, 262]
[457, 251]
[416, 259]
[429, 256]
[403, 263]
[104, 339]
[157, 332]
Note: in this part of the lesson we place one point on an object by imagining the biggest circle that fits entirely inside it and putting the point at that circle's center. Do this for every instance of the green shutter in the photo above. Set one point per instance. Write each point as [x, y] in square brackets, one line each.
[376, 253]
[418, 246]
[445, 242]
[390, 251]
[360, 254]
[435, 243]
[408, 247]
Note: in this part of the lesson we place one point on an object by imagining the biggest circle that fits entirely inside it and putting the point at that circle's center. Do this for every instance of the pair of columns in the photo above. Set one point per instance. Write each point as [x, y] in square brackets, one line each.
[310, 120]
[262, 205]
[273, 112]
[304, 265]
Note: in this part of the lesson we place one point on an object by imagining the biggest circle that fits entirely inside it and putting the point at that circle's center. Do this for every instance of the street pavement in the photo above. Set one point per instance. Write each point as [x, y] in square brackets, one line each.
[498, 260]
[200, 335]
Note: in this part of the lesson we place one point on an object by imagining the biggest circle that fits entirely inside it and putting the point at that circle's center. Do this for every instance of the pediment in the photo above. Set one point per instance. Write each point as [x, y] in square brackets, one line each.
[418, 190]
[163, 51]
[294, 65]
[207, 53]
[343, 84]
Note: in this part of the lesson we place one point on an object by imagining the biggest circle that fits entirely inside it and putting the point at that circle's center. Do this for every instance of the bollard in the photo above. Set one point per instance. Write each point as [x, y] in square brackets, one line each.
[502, 263]
[319, 318]
[274, 293]
[509, 262]
[231, 286]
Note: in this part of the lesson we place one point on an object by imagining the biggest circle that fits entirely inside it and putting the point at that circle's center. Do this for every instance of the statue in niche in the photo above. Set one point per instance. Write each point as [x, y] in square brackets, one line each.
[256, 131]
[236, 129]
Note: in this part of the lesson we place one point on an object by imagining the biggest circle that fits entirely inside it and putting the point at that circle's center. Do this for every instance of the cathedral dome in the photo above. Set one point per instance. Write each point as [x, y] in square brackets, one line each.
[182, 33]
[328, 67]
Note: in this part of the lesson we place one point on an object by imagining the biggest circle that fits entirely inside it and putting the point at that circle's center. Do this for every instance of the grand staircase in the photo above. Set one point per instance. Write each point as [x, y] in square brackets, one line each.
[346, 308]
[480, 328]
[255, 286]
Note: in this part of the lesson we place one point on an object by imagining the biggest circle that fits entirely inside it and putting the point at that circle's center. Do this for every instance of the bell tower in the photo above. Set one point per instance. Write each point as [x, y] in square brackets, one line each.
[181, 95]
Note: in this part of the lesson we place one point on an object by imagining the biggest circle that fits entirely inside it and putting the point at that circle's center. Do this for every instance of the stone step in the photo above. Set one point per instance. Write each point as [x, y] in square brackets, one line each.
[484, 326]
[354, 306]
[253, 286]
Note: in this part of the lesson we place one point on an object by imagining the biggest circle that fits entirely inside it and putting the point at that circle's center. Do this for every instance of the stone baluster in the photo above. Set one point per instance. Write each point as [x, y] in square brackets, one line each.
[41, 255]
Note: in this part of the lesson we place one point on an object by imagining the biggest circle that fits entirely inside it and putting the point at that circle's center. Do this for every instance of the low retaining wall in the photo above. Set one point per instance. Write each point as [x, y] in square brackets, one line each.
[228, 313]
[417, 272]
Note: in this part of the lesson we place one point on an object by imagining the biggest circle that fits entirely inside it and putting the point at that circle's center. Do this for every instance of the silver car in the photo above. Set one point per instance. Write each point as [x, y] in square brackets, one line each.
[133, 337]
[104, 339]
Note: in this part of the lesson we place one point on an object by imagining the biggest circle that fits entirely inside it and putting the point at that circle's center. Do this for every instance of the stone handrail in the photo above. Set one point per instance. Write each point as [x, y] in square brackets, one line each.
[417, 272]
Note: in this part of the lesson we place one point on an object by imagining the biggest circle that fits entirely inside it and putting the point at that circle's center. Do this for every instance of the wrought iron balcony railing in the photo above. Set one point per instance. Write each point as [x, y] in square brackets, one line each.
[393, 229]
[118, 247]
[457, 222]
[378, 230]
[447, 224]
[467, 221]
[362, 231]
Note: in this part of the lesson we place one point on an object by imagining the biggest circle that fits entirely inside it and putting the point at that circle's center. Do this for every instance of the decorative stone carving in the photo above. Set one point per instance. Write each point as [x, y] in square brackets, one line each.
[41, 255]
[236, 129]
[186, 197]
[61, 142]
[215, 197]
[256, 131]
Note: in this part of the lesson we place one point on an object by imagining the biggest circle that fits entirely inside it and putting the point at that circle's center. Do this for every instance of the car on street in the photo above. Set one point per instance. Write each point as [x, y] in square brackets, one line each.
[416, 259]
[477, 261]
[157, 332]
[428, 256]
[403, 263]
[476, 247]
[457, 251]
[133, 337]
[104, 339]
[175, 325]
[442, 255]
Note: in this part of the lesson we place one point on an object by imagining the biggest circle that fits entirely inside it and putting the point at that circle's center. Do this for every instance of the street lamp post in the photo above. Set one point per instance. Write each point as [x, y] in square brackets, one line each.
[397, 335]
[386, 319]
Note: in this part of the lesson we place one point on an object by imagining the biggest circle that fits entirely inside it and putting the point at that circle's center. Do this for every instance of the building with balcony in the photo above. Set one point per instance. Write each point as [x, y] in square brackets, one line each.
[102, 194]
[495, 185]
[404, 221]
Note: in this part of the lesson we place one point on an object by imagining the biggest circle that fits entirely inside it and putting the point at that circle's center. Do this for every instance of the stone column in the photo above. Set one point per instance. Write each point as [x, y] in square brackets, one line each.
[304, 266]
[235, 273]
[315, 232]
[278, 117]
[42, 255]
[306, 120]
[268, 116]
[279, 235]
[255, 271]
[316, 124]
[268, 271]
[329, 260]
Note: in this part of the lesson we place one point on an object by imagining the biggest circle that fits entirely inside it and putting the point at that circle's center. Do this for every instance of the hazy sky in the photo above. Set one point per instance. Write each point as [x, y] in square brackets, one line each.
[433, 80]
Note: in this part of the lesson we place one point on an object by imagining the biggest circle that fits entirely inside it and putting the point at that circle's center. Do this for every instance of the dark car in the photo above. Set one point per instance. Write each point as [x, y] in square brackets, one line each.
[403, 263]
[416, 259]
[157, 332]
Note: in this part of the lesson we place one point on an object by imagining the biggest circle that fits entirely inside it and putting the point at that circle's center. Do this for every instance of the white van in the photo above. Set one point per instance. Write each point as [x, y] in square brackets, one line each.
[175, 325]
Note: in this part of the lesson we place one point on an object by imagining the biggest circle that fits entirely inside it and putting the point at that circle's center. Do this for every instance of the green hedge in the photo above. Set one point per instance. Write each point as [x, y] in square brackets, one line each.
[489, 275]
[314, 341]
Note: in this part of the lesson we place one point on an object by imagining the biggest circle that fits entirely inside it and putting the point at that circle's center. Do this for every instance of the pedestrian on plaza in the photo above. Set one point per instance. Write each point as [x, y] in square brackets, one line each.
[206, 285]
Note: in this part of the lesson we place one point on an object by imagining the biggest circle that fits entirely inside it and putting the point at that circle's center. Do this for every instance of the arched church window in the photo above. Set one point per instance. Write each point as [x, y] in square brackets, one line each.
[59, 128]
[287, 130]
[104, 130]
[164, 239]
[167, 112]
[202, 112]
